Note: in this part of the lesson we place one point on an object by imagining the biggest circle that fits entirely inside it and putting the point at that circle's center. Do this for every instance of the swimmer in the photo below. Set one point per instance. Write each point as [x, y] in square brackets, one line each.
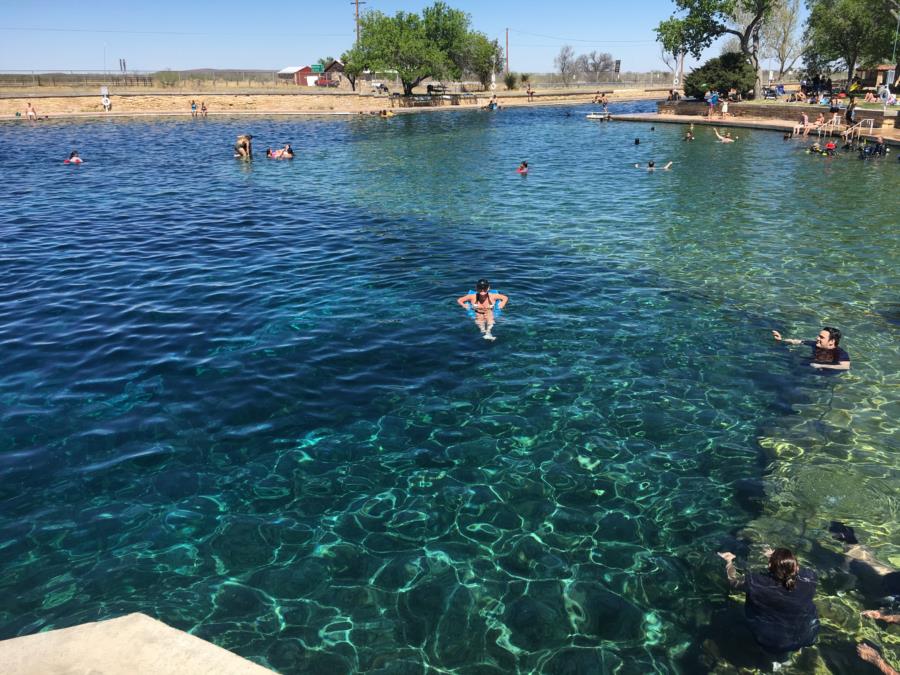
[243, 148]
[30, 112]
[688, 136]
[74, 158]
[287, 152]
[523, 169]
[724, 139]
[482, 303]
[385, 114]
[826, 353]
[651, 166]
[637, 141]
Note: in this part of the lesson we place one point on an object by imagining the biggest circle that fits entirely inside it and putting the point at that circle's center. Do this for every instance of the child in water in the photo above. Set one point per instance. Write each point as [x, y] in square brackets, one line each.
[481, 302]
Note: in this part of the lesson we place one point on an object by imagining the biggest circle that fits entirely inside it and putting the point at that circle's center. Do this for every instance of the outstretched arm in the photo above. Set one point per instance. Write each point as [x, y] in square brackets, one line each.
[866, 653]
[790, 341]
[881, 616]
[734, 580]
[667, 165]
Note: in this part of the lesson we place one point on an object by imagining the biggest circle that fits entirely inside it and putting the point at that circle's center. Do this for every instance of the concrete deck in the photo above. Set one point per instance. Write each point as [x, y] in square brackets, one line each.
[891, 136]
[130, 645]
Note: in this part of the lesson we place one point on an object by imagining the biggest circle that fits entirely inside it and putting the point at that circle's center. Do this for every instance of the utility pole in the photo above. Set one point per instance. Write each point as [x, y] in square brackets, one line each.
[507, 50]
[357, 3]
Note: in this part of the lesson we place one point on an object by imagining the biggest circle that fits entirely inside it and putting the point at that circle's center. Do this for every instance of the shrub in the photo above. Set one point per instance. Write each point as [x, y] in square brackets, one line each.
[524, 78]
[721, 74]
[510, 80]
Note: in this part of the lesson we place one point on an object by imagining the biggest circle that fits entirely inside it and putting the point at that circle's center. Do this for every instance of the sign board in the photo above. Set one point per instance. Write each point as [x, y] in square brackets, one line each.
[618, 65]
[317, 68]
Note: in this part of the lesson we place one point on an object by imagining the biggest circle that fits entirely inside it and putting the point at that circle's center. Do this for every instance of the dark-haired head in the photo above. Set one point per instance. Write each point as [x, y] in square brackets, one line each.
[834, 333]
[482, 285]
[783, 566]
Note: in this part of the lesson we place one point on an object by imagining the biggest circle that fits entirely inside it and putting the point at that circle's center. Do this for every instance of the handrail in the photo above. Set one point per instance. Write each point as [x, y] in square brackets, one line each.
[856, 129]
[831, 126]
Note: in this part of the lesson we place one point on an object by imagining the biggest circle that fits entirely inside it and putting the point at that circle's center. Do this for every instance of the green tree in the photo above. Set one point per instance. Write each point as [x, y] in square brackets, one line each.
[854, 31]
[484, 57]
[448, 30]
[355, 62]
[510, 80]
[721, 74]
[400, 43]
[705, 20]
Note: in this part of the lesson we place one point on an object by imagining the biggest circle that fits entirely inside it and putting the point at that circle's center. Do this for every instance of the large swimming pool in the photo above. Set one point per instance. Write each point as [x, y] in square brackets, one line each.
[241, 398]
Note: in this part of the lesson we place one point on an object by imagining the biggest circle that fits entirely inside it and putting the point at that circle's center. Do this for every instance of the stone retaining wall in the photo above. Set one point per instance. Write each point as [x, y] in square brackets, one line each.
[789, 112]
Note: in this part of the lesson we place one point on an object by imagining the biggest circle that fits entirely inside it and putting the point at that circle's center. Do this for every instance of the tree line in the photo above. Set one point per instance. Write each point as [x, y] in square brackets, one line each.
[837, 34]
[586, 66]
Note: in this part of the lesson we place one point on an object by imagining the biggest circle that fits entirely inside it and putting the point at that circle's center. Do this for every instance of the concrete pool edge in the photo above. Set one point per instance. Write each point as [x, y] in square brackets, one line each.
[891, 136]
[135, 643]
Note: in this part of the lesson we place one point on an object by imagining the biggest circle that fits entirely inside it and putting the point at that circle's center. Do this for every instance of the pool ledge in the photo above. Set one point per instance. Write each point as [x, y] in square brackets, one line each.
[133, 644]
[891, 136]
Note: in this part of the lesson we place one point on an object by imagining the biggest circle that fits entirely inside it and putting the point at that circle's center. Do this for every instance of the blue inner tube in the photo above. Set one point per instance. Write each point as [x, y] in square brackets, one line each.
[471, 310]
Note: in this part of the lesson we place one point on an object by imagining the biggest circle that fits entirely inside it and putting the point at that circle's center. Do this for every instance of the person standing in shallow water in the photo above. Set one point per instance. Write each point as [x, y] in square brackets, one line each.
[482, 304]
[779, 602]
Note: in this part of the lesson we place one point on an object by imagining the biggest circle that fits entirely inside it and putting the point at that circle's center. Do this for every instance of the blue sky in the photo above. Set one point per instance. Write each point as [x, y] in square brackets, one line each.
[272, 34]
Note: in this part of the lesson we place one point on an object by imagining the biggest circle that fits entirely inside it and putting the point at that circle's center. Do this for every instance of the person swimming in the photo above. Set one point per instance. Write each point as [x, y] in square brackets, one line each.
[724, 139]
[651, 166]
[482, 302]
[523, 168]
[74, 158]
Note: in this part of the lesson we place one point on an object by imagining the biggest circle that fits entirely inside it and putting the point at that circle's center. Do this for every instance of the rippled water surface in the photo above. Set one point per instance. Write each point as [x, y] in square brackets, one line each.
[240, 397]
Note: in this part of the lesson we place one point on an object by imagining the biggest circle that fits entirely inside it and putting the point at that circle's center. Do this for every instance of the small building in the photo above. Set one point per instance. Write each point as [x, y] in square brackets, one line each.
[334, 70]
[300, 75]
[877, 76]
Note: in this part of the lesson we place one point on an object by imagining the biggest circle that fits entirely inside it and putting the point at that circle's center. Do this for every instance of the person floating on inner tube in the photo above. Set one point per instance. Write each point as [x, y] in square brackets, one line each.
[243, 148]
[523, 169]
[73, 158]
[482, 303]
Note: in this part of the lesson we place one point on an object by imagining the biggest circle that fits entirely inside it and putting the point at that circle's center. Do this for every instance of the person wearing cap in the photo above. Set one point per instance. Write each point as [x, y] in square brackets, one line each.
[243, 148]
[482, 303]
[826, 353]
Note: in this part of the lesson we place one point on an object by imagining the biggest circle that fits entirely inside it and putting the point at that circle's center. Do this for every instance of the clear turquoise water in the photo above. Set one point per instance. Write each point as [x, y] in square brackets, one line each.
[241, 398]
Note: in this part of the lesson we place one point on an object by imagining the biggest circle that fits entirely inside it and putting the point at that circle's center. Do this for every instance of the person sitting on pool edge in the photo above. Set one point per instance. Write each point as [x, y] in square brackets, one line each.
[826, 352]
[779, 603]
[482, 302]
[243, 147]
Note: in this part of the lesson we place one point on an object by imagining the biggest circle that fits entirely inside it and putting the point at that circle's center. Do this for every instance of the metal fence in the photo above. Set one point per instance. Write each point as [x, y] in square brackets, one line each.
[165, 79]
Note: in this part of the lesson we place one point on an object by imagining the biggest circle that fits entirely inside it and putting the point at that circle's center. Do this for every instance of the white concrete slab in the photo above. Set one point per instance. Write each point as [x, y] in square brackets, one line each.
[130, 645]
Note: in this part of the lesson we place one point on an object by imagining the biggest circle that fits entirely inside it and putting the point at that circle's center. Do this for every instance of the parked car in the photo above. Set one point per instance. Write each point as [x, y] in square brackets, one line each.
[325, 82]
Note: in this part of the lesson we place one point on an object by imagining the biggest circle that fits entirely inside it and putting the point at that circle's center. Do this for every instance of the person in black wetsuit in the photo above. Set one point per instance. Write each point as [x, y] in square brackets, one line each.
[826, 352]
[779, 606]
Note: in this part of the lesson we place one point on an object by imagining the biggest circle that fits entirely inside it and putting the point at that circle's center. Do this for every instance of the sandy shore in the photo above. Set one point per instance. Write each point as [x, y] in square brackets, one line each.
[60, 104]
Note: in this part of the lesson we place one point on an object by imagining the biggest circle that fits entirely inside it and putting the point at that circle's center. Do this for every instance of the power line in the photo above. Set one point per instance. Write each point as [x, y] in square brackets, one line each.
[148, 32]
[592, 42]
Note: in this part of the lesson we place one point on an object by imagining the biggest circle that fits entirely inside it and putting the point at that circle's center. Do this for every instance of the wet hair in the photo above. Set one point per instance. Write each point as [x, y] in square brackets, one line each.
[525, 164]
[651, 164]
[482, 285]
[637, 141]
[834, 334]
[783, 566]
[72, 154]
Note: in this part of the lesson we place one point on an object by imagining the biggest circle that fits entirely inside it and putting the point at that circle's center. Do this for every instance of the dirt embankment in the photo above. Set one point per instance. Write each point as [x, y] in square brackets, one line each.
[59, 104]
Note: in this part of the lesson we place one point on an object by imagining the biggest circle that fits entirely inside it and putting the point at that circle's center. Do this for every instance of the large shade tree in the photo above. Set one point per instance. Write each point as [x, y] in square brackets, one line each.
[852, 31]
[698, 22]
[436, 44]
